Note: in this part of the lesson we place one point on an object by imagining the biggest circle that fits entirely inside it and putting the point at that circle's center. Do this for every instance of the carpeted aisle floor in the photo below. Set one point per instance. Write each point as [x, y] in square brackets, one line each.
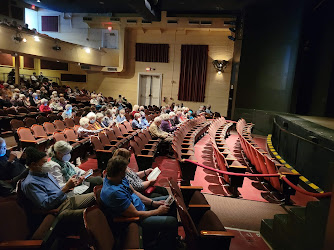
[242, 214]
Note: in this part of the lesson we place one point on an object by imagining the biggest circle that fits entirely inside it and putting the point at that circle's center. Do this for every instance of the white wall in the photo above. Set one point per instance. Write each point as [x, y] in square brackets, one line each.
[72, 30]
[31, 18]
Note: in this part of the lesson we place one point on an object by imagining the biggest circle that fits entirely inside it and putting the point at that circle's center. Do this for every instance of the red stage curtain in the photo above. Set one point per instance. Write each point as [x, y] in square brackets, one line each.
[194, 60]
[146, 52]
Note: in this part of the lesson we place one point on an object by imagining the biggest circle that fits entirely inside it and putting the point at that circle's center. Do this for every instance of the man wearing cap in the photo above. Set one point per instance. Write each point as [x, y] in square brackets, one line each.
[44, 192]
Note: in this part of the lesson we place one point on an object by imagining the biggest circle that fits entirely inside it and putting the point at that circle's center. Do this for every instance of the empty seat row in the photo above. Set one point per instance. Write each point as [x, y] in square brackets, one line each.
[263, 162]
[222, 155]
[183, 144]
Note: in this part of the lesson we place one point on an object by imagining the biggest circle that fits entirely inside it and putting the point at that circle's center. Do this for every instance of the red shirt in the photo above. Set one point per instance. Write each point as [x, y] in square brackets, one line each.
[44, 108]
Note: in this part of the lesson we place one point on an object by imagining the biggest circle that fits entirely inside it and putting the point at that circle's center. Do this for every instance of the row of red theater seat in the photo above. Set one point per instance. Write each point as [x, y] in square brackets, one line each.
[222, 155]
[263, 162]
[183, 144]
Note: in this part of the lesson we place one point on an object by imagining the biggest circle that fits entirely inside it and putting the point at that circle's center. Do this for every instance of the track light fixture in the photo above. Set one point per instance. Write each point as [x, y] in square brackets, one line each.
[231, 38]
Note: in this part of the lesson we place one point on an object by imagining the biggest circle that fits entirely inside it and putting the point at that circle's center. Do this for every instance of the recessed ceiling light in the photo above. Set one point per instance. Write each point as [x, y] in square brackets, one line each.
[38, 1]
[101, 2]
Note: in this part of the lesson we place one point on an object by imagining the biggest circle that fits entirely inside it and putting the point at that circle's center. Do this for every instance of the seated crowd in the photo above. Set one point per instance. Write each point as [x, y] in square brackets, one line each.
[50, 181]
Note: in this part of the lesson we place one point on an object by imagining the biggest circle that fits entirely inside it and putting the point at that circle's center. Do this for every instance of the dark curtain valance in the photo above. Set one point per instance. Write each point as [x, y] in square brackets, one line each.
[194, 60]
[146, 52]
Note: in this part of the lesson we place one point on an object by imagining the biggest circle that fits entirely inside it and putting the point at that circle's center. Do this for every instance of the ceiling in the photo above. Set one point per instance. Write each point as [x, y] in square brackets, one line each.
[173, 7]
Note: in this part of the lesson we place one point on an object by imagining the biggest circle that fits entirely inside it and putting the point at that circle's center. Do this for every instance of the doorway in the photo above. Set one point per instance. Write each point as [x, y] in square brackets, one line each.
[149, 89]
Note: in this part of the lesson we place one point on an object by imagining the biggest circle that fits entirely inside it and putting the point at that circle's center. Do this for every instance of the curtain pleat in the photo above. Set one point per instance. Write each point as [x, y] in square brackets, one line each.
[194, 59]
[146, 52]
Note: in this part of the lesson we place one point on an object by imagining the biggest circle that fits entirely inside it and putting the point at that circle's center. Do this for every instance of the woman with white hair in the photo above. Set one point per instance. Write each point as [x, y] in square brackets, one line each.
[135, 110]
[94, 100]
[67, 114]
[35, 99]
[121, 116]
[44, 106]
[62, 170]
[165, 124]
[109, 119]
[84, 131]
[55, 105]
[93, 124]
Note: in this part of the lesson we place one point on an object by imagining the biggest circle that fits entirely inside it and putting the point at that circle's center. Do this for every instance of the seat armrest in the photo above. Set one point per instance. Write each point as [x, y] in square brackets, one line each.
[147, 156]
[191, 187]
[104, 151]
[226, 234]
[125, 219]
[18, 244]
[28, 141]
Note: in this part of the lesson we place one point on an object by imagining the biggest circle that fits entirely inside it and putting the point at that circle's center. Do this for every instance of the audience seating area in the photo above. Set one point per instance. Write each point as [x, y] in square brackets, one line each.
[263, 162]
[222, 154]
[184, 140]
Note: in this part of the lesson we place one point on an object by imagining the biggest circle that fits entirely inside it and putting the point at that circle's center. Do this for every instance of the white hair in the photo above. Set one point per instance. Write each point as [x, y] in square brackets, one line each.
[171, 114]
[99, 115]
[44, 100]
[91, 115]
[157, 119]
[84, 121]
[22, 95]
[135, 107]
[54, 92]
[164, 117]
[122, 111]
[68, 106]
[137, 115]
[62, 147]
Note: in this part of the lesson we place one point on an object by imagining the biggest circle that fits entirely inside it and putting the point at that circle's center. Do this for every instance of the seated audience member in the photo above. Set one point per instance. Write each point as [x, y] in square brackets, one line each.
[62, 101]
[163, 110]
[180, 117]
[93, 123]
[208, 110]
[11, 75]
[136, 122]
[136, 179]
[165, 124]
[16, 101]
[99, 117]
[135, 110]
[144, 121]
[40, 77]
[44, 192]
[11, 169]
[44, 106]
[119, 198]
[33, 79]
[61, 168]
[25, 101]
[109, 119]
[94, 101]
[54, 94]
[190, 115]
[55, 105]
[156, 131]
[200, 110]
[84, 131]
[174, 120]
[67, 114]
[35, 100]
[43, 93]
[4, 100]
[121, 116]
[7, 90]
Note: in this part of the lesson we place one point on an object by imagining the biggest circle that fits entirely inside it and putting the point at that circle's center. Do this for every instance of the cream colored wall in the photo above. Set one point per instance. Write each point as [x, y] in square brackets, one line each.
[126, 84]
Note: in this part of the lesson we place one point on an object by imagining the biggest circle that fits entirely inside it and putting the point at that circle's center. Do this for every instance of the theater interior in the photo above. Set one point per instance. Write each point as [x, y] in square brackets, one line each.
[256, 172]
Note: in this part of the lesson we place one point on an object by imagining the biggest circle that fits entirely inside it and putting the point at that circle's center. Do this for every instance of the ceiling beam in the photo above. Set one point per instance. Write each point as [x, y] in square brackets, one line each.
[146, 9]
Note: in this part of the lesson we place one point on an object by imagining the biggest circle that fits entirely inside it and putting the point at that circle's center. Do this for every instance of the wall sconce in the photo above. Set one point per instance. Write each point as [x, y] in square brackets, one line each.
[220, 66]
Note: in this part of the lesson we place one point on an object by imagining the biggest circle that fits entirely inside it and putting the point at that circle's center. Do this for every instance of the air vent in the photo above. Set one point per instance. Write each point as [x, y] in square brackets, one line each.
[86, 18]
[85, 67]
[131, 21]
[172, 21]
[206, 22]
[146, 21]
[112, 69]
[229, 23]
[194, 22]
[114, 19]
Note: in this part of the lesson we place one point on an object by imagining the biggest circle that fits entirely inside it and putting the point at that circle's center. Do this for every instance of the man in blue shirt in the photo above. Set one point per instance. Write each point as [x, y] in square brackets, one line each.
[120, 199]
[44, 192]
